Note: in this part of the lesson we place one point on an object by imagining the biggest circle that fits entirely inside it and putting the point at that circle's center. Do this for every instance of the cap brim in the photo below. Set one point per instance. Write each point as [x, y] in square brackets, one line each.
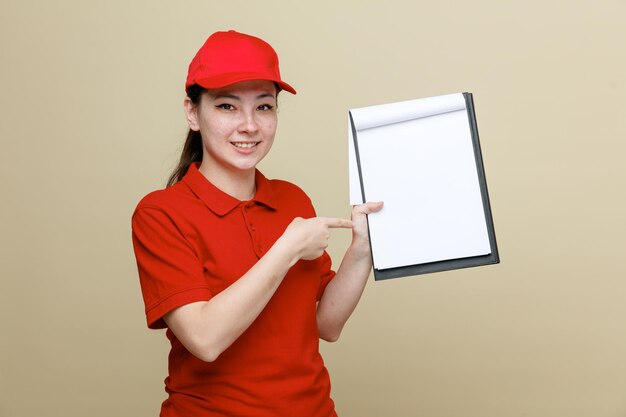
[224, 80]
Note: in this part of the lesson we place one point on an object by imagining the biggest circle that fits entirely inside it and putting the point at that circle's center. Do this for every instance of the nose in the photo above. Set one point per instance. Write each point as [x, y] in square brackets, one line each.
[249, 123]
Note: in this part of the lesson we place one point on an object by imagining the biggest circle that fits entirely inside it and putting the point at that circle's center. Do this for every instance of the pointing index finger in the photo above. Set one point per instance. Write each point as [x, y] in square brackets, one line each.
[337, 222]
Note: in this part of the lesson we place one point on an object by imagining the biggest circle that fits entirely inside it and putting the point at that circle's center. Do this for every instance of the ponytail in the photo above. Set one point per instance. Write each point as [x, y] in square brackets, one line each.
[192, 150]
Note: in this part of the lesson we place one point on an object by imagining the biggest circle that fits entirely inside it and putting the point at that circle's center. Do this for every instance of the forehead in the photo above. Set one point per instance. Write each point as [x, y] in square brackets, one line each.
[254, 88]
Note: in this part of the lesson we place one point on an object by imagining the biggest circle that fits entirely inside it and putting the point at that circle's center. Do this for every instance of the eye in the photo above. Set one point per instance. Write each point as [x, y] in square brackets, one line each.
[225, 106]
[265, 107]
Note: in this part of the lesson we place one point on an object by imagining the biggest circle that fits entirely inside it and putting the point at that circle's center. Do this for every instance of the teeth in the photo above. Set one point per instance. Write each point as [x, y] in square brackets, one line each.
[244, 144]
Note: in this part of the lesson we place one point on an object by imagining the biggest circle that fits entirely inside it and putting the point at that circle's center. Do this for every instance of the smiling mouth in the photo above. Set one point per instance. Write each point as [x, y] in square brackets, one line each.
[245, 145]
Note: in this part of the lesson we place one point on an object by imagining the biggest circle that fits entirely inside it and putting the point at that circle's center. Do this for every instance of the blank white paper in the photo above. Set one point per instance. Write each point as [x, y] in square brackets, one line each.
[418, 157]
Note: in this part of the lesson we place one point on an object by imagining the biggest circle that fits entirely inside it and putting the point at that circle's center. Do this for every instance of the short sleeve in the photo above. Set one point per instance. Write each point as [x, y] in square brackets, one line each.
[325, 262]
[170, 273]
[326, 273]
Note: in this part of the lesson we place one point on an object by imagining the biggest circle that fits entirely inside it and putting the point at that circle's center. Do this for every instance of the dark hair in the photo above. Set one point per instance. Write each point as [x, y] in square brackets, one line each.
[192, 150]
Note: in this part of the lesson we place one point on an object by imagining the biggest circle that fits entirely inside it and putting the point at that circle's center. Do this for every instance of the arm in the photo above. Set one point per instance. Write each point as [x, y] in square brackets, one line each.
[208, 328]
[344, 291]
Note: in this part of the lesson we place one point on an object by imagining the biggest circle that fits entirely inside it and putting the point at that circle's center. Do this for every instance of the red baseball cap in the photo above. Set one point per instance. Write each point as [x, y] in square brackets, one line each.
[230, 57]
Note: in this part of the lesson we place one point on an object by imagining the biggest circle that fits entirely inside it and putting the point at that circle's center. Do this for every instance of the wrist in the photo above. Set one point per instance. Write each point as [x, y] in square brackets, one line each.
[360, 248]
[289, 251]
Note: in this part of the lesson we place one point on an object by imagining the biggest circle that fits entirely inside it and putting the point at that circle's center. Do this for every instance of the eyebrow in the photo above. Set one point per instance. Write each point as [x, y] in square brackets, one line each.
[236, 97]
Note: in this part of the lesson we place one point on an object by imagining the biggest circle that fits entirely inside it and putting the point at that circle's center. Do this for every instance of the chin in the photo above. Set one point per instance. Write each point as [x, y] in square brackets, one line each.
[245, 167]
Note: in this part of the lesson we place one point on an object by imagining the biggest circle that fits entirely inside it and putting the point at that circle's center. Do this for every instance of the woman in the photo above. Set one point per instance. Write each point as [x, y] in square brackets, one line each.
[233, 264]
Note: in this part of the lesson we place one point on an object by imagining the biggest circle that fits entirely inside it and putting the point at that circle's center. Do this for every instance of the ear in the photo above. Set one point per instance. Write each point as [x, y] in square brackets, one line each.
[191, 113]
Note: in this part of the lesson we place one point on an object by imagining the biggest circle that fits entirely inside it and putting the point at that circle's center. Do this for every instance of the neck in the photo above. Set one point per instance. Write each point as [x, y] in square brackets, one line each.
[240, 184]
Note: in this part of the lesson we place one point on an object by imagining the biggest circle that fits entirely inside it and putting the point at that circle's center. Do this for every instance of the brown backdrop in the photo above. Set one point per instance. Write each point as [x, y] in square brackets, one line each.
[91, 105]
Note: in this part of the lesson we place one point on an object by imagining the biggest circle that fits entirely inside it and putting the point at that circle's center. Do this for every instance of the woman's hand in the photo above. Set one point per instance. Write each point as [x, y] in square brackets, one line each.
[360, 237]
[309, 237]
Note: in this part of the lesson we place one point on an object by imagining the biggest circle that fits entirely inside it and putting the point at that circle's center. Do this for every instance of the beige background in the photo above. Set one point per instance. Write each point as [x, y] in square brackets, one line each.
[90, 101]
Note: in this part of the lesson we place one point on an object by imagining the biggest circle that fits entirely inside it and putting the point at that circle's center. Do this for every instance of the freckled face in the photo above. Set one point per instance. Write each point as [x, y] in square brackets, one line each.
[238, 124]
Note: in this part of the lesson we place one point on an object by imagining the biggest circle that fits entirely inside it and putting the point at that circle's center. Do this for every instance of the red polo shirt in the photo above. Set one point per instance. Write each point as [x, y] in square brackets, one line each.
[191, 241]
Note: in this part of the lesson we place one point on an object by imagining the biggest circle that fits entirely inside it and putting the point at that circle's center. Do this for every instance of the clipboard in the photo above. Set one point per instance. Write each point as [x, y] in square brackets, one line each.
[423, 159]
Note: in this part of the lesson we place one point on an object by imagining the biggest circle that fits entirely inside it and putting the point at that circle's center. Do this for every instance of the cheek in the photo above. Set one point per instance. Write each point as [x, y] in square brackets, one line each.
[269, 126]
[215, 128]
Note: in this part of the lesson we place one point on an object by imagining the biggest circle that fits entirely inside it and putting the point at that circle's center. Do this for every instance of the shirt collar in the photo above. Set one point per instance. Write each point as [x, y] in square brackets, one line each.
[217, 200]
